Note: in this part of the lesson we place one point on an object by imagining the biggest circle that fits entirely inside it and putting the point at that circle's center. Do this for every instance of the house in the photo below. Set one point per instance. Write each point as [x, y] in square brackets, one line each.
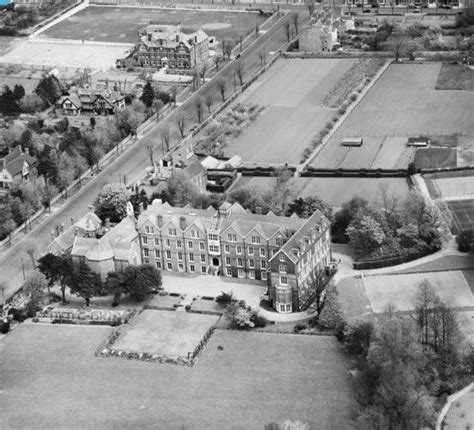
[318, 38]
[15, 166]
[167, 46]
[88, 101]
[70, 104]
[235, 243]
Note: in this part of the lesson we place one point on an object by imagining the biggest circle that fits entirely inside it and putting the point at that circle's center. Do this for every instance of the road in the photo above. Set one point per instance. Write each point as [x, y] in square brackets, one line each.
[132, 162]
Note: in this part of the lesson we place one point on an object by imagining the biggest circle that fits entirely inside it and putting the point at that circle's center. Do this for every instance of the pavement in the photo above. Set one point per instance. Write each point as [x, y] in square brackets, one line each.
[132, 162]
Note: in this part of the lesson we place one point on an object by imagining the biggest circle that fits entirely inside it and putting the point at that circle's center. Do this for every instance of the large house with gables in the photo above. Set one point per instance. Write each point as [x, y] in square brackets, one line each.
[88, 101]
[15, 166]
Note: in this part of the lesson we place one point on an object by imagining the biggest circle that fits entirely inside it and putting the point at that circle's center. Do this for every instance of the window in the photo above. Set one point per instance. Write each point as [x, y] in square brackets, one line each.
[240, 273]
[256, 239]
[192, 268]
[157, 253]
[190, 244]
[239, 262]
[180, 267]
[252, 274]
[232, 237]
[251, 263]
[213, 236]
[227, 248]
[263, 264]
[157, 241]
[147, 229]
[213, 248]
[179, 244]
[239, 250]
[191, 257]
[288, 308]
[145, 240]
[228, 271]
[180, 256]
[203, 269]
[194, 233]
[201, 246]
[250, 250]
[203, 258]
[168, 243]
[264, 276]
[282, 308]
[282, 257]
[158, 264]
[227, 261]
[168, 255]
[172, 231]
[170, 266]
[262, 252]
[146, 261]
[283, 280]
[145, 252]
[282, 268]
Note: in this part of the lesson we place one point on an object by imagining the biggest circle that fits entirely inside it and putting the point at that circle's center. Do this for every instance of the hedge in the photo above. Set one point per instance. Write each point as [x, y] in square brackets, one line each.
[392, 261]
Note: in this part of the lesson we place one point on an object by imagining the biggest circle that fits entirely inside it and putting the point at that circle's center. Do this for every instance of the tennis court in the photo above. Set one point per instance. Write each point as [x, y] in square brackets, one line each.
[400, 290]
[455, 188]
[463, 215]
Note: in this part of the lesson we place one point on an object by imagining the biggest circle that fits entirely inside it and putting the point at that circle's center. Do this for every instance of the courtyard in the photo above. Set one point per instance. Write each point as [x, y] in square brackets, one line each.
[51, 379]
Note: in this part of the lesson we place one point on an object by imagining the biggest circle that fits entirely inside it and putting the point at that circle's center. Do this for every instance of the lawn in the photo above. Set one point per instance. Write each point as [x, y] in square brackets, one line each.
[432, 158]
[461, 413]
[402, 103]
[455, 77]
[51, 379]
[164, 332]
[109, 24]
[293, 92]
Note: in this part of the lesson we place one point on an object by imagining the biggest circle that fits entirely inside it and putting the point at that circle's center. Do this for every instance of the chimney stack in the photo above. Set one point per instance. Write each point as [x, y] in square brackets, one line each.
[140, 206]
[182, 223]
[159, 220]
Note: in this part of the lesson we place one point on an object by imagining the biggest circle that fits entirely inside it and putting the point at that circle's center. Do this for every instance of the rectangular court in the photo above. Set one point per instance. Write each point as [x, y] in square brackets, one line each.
[463, 215]
[165, 332]
[400, 290]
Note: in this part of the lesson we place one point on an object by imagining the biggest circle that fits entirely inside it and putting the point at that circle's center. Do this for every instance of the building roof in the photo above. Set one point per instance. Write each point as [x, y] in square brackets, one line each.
[194, 169]
[121, 237]
[73, 98]
[170, 37]
[89, 222]
[14, 161]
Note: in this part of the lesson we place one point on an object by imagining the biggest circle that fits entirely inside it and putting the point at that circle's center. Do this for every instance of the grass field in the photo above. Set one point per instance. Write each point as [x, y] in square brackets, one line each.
[109, 24]
[461, 413]
[435, 157]
[51, 379]
[293, 92]
[402, 103]
[463, 215]
[165, 332]
[455, 77]
[335, 191]
[399, 290]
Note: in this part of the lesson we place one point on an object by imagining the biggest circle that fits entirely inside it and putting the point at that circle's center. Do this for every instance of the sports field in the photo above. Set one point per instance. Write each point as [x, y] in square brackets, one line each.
[165, 332]
[399, 290]
[66, 53]
[335, 191]
[402, 103]
[463, 215]
[51, 378]
[293, 92]
[115, 24]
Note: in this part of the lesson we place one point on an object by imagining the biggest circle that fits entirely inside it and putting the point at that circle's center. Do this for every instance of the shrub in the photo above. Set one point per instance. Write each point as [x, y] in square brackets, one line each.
[298, 327]
[258, 320]
[4, 327]
[225, 299]
[464, 240]
[353, 97]
[331, 315]
[342, 110]
[17, 314]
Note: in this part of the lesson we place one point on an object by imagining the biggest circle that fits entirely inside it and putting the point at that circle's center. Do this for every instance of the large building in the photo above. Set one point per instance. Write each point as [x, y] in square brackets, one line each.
[281, 252]
[167, 46]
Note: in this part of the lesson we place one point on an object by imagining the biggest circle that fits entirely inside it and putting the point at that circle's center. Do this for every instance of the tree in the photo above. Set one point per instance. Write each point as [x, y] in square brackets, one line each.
[221, 87]
[31, 103]
[83, 282]
[139, 281]
[295, 19]
[174, 94]
[261, 55]
[29, 247]
[365, 234]
[305, 207]
[198, 107]
[344, 217]
[287, 27]
[317, 285]
[180, 122]
[158, 107]
[357, 336]
[228, 50]
[331, 315]
[239, 71]
[195, 75]
[34, 287]
[7, 223]
[115, 285]
[202, 72]
[208, 102]
[150, 148]
[66, 170]
[56, 269]
[49, 89]
[165, 137]
[216, 61]
[180, 190]
[148, 95]
[92, 122]
[111, 202]
[310, 5]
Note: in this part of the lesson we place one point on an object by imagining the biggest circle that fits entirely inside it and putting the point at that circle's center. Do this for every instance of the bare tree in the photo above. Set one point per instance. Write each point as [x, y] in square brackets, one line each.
[216, 61]
[157, 107]
[257, 29]
[208, 102]
[317, 282]
[180, 122]
[310, 5]
[150, 149]
[228, 50]
[202, 72]
[240, 42]
[287, 27]
[195, 80]
[174, 94]
[198, 107]
[239, 71]
[30, 249]
[295, 19]
[261, 54]
[165, 137]
[221, 87]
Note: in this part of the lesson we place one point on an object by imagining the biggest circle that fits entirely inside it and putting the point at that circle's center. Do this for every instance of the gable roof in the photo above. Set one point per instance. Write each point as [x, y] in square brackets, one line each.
[14, 161]
[73, 98]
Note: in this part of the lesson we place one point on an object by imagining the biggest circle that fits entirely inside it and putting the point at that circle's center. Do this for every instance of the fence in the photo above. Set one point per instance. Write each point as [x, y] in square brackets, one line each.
[355, 173]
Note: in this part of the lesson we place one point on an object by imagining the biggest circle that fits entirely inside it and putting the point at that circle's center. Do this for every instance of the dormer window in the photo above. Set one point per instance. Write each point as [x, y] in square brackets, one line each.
[282, 257]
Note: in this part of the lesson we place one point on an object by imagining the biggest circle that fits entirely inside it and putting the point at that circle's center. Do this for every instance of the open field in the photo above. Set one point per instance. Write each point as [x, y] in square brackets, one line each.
[402, 103]
[60, 53]
[51, 379]
[293, 92]
[455, 77]
[399, 290]
[165, 332]
[334, 190]
[115, 24]
[463, 215]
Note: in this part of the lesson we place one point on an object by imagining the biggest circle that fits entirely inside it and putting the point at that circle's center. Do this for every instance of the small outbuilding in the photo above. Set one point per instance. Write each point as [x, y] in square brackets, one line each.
[352, 141]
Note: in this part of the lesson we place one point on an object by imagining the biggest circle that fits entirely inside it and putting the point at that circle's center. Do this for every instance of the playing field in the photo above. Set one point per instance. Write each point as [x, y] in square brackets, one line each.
[455, 188]
[335, 191]
[463, 215]
[400, 290]
[402, 103]
[50, 378]
[293, 92]
[64, 53]
[165, 332]
[114, 24]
